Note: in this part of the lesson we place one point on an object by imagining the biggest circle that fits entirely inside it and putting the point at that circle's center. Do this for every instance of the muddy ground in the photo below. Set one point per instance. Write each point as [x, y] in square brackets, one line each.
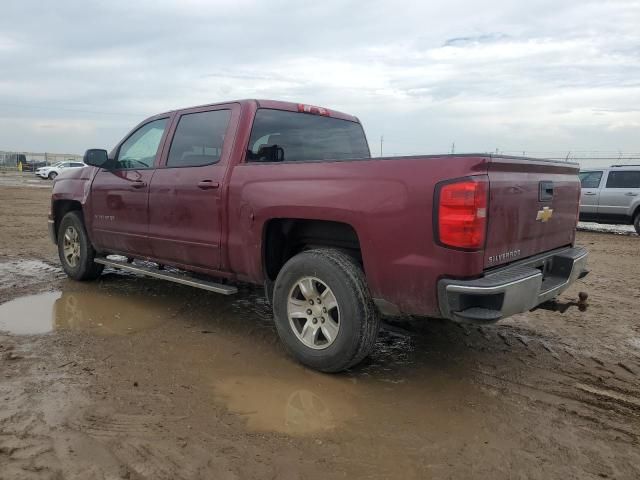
[134, 378]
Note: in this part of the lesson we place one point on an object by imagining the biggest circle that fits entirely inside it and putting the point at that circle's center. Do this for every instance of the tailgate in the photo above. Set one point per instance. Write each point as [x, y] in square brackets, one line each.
[533, 208]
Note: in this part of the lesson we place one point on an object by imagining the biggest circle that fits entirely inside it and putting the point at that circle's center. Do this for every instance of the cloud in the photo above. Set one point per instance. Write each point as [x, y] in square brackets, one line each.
[534, 76]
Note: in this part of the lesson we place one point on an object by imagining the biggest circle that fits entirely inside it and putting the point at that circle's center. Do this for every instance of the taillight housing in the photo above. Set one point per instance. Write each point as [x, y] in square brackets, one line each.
[462, 212]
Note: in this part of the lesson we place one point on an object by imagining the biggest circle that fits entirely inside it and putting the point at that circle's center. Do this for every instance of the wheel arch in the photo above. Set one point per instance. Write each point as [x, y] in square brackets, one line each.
[636, 211]
[60, 208]
[282, 238]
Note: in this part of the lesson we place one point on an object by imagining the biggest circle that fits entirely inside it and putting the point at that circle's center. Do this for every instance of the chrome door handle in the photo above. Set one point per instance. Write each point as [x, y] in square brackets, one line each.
[208, 184]
[590, 193]
[139, 184]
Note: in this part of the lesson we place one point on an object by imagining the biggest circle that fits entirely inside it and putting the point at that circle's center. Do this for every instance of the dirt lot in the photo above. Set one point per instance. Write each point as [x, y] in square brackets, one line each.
[134, 378]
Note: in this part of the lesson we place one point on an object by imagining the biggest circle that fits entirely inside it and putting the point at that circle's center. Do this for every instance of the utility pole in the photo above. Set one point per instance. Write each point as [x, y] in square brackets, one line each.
[381, 141]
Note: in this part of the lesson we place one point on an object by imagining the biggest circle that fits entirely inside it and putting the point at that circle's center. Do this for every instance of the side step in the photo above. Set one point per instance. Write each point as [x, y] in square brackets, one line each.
[171, 277]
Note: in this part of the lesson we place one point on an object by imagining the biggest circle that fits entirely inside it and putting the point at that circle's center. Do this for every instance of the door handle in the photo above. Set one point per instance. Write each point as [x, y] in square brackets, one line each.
[208, 184]
[631, 194]
[139, 184]
[590, 193]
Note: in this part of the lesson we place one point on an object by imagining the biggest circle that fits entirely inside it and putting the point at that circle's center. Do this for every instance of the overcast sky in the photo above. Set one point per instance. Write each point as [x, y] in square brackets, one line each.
[531, 76]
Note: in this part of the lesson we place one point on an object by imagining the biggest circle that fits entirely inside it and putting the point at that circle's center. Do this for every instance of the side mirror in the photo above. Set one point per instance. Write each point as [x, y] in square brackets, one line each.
[96, 157]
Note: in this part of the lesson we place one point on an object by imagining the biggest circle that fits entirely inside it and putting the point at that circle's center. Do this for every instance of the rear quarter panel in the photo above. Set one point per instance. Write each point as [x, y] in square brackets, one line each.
[388, 202]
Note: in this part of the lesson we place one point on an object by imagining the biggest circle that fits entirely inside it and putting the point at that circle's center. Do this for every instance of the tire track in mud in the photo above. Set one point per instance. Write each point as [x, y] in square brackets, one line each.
[541, 369]
[603, 391]
[141, 443]
[25, 276]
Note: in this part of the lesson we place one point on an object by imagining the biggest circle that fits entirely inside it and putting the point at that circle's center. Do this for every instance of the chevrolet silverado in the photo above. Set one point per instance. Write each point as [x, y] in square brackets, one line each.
[288, 196]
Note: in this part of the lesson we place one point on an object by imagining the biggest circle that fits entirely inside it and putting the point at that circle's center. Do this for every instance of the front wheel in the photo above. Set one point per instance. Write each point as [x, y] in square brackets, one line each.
[636, 223]
[53, 175]
[323, 310]
[75, 250]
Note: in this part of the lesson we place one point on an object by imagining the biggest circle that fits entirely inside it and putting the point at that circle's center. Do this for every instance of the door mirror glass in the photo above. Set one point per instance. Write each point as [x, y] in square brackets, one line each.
[96, 157]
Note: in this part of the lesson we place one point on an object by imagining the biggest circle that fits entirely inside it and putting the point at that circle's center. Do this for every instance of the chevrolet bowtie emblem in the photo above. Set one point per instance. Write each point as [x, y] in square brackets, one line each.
[545, 214]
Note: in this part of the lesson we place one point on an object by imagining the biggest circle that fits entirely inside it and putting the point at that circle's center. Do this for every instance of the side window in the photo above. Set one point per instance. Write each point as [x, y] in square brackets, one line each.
[590, 179]
[199, 139]
[140, 149]
[623, 179]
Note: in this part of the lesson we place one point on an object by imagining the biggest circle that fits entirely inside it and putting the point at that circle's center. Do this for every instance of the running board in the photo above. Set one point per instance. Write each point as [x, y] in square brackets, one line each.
[171, 277]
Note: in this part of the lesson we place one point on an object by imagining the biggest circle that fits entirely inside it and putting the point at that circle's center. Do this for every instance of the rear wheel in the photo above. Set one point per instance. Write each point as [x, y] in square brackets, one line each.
[323, 310]
[75, 250]
[636, 223]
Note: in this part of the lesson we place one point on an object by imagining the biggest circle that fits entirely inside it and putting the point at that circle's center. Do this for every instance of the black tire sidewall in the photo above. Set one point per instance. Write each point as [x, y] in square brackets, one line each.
[352, 312]
[52, 175]
[636, 223]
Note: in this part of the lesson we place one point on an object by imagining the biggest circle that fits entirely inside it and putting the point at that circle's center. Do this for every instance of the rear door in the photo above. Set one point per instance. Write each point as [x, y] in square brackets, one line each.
[621, 190]
[120, 196]
[533, 208]
[590, 194]
[186, 202]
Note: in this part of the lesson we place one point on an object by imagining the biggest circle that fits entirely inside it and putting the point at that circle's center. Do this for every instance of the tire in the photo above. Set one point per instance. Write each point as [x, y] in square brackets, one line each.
[354, 312]
[636, 223]
[76, 252]
[52, 176]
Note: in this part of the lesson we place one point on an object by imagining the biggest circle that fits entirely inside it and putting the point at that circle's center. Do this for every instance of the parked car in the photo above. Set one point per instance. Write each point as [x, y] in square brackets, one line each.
[611, 195]
[52, 171]
[288, 196]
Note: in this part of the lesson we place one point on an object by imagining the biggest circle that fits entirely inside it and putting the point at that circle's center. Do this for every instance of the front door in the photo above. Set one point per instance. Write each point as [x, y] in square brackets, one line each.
[120, 195]
[186, 195]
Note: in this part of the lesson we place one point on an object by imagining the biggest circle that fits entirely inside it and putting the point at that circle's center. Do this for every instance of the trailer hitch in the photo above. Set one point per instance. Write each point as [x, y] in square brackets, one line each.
[556, 306]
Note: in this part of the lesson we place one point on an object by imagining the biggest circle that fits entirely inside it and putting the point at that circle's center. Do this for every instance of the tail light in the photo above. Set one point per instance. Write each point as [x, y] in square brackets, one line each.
[462, 213]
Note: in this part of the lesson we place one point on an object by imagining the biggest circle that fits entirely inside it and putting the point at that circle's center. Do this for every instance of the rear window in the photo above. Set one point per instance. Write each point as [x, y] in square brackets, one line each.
[623, 179]
[281, 136]
[590, 179]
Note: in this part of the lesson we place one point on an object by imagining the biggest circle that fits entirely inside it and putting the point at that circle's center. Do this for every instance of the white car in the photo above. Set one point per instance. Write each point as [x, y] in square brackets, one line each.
[52, 171]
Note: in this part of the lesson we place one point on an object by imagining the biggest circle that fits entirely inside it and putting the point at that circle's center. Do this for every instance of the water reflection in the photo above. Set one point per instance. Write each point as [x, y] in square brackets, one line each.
[89, 310]
[302, 404]
[29, 315]
[103, 314]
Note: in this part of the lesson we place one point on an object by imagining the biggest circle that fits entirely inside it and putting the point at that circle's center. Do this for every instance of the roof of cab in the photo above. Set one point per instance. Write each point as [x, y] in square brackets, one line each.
[263, 103]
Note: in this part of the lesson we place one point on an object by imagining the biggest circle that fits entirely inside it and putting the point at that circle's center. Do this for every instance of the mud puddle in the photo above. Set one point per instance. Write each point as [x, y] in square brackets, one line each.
[229, 348]
[87, 309]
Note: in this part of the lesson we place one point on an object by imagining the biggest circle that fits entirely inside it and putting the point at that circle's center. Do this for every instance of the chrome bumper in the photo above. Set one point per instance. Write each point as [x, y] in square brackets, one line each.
[514, 289]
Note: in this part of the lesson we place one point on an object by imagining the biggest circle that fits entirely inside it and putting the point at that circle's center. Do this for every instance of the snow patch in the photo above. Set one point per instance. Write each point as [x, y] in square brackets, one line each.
[606, 228]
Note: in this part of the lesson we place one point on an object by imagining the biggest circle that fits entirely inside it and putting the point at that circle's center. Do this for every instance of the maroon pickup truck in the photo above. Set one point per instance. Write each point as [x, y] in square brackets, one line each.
[287, 196]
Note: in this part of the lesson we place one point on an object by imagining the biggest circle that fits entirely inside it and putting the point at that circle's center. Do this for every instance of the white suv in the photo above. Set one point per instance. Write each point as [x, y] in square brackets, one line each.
[611, 195]
[52, 171]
